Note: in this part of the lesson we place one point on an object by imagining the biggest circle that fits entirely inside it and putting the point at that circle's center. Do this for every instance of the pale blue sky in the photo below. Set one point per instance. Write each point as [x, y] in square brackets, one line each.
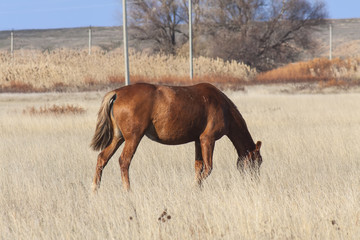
[42, 14]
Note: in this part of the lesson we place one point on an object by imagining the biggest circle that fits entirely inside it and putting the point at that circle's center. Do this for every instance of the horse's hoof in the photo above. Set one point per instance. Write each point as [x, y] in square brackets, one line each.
[94, 188]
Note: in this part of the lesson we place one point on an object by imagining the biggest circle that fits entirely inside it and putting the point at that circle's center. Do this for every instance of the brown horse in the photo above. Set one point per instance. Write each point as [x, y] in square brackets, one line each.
[171, 115]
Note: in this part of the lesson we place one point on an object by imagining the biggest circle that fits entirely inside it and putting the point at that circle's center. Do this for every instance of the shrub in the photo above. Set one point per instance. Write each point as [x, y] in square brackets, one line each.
[319, 69]
[55, 109]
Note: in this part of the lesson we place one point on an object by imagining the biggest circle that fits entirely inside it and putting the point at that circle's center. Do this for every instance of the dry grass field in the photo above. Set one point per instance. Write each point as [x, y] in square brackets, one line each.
[309, 186]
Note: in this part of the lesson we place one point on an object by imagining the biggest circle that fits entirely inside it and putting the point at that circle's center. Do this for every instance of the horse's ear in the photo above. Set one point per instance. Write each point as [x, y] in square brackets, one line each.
[258, 146]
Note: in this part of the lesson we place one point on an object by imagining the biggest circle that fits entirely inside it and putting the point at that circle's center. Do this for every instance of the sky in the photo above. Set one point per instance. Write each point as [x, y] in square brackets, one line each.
[43, 14]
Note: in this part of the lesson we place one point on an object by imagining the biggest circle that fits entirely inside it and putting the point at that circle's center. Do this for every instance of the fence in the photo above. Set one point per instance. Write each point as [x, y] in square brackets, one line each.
[12, 41]
[107, 38]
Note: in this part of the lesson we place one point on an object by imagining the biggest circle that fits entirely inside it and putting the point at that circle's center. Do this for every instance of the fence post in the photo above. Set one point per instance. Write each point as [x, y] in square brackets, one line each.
[330, 41]
[90, 40]
[12, 43]
[125, 40]
[190, 40]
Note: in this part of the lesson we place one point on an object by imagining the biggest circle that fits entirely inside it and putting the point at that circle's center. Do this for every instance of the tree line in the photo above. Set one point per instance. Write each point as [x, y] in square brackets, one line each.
[261, 33]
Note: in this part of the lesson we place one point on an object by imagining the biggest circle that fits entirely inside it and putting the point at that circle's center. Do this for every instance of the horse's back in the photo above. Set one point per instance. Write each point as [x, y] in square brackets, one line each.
[136, 91]
[146, 89]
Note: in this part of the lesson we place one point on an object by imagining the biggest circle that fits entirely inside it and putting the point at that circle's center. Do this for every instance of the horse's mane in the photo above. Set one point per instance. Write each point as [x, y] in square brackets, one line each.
[234, 110]
[241, 124]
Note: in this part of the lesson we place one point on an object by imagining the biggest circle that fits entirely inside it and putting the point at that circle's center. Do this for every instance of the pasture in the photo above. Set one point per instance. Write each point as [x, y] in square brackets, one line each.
[309, 185]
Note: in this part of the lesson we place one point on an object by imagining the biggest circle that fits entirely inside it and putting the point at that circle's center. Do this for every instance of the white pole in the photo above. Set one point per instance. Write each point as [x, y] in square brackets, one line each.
[90, 40]
[330, 40]
[12, 43]
[125, 39]
[190, 40]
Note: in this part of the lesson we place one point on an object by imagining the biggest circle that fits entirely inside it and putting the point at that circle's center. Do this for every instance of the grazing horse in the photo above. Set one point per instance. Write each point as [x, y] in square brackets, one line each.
[171, 115]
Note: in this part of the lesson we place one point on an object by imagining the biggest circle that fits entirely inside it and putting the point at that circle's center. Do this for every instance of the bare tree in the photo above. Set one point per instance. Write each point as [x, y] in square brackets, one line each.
[159, 21]
[261, 33]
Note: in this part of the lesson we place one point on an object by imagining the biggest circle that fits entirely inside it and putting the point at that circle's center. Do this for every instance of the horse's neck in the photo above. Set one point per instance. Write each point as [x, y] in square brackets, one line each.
[239, 135]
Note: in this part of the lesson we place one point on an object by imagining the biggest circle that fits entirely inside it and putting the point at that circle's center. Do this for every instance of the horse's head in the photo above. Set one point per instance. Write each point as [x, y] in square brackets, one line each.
[252, 161]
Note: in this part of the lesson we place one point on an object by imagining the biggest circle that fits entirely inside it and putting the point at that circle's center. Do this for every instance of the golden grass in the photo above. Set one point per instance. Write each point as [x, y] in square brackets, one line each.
[309, 184]
[54, 70]
[319, 69]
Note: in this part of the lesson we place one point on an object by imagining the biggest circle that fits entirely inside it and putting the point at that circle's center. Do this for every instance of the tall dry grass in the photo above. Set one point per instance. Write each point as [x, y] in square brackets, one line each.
[309, 186]
[39, 71]
[316, 70]
[64, 69]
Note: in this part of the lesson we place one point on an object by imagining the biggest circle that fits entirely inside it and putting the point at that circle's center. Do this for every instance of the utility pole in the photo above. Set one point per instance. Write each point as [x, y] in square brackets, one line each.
[330, 41]
[125, 40]
[190, 40]
[90, 40]
[12, 43]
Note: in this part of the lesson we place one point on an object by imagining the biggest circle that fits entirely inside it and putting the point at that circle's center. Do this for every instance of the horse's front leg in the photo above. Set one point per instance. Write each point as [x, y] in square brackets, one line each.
[207, 149]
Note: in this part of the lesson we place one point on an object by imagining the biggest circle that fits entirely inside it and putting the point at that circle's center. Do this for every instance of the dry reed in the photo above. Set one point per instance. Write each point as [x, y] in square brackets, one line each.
[64, 69]
[40, 71]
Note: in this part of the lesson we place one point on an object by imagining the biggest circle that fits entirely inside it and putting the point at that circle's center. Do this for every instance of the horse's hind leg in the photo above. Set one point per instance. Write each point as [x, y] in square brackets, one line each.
[125, 159]
[103, 159]
[198, 162]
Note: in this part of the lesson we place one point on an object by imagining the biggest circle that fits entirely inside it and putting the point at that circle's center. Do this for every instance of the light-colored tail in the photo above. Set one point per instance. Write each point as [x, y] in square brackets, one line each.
[104, 129]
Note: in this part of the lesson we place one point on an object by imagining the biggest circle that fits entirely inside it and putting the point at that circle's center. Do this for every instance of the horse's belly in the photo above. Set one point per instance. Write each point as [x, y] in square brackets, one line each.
[171, 134]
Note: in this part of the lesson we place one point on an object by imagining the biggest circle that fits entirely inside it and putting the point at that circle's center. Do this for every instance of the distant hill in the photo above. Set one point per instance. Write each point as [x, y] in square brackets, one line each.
[346, 39]
[78, 38]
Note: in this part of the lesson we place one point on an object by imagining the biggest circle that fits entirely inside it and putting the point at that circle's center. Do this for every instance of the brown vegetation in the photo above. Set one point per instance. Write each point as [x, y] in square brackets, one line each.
[329, 72]
[16, 86]
[55, 109]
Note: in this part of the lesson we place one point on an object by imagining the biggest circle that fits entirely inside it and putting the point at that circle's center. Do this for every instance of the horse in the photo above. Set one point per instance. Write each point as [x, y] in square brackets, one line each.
[171, 115]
